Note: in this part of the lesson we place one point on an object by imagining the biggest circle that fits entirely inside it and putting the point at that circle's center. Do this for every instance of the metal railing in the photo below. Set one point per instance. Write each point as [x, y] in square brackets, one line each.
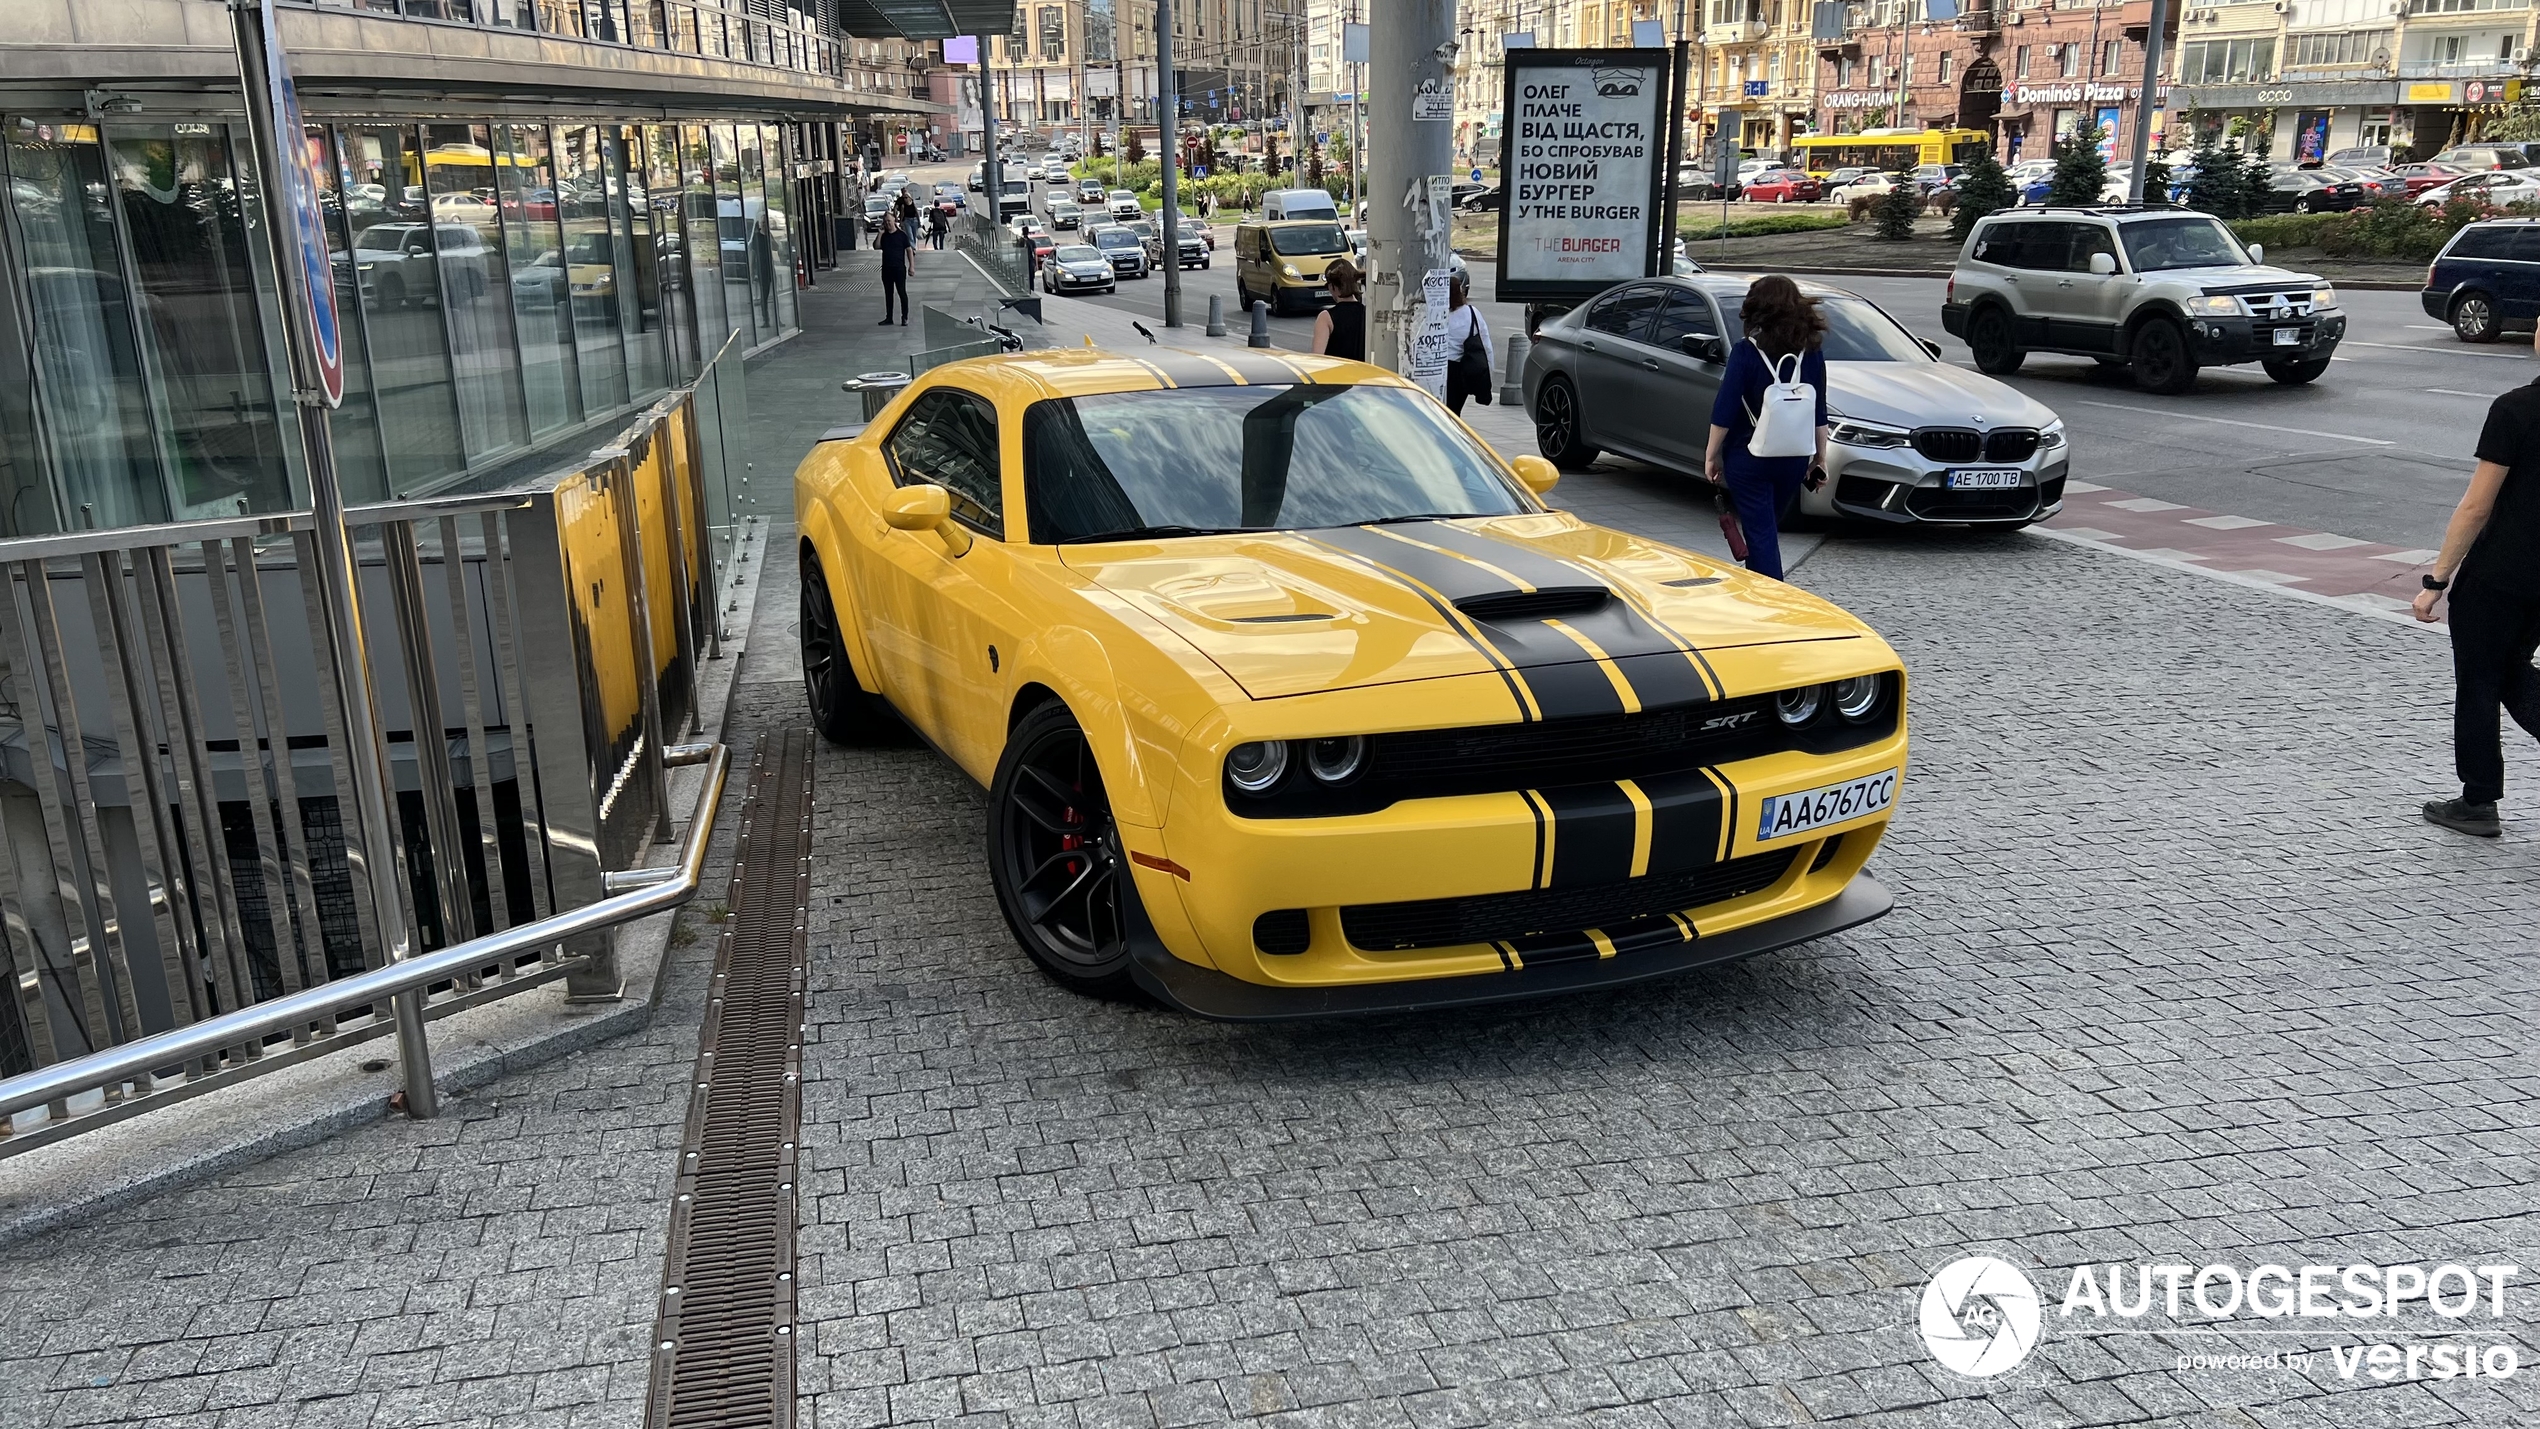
[178, 850]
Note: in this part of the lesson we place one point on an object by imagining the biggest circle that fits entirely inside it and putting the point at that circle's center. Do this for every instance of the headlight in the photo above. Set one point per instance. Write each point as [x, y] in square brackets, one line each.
[1290, 270]
[1798, 707]
[2053, 436]
[2214, 305]
[1256, 766]
[1867, 434]
[1857, 699]
[2323, 298]
[1336, 761]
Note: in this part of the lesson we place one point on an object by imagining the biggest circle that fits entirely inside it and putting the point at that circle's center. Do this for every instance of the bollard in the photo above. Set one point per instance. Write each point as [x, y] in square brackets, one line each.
[1512, 386]
[1260, 324]
[1216, 315]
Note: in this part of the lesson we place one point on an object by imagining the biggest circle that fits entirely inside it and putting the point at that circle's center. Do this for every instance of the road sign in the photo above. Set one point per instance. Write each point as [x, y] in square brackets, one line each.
[305, 224]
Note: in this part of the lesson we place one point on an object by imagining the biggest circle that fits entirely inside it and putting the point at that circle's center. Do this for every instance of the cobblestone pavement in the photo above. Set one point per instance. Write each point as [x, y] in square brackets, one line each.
[2175, 975]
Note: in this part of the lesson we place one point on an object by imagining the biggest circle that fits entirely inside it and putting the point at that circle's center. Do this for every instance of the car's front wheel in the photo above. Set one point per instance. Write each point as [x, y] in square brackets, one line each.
[840, 709]
[2474, 317]
[1055, 857]
[1558, 433]
[1989, 338]
[2294, 372]
[2162, 362]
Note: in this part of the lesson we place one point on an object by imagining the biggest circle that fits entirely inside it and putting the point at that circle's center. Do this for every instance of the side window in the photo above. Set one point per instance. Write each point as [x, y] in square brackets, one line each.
[2087, 239]
[2481, 241]
[2003, 243]
[950, 439]
[1625, 313]
[1685, 315]
[2045, 246]
[2522, 243]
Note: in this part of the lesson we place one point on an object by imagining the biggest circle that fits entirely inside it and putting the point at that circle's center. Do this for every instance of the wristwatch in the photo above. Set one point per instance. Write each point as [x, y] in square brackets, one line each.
[2432, 584]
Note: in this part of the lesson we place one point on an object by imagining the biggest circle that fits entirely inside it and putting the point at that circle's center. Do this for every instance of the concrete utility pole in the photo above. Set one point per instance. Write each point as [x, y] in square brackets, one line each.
[1410, 54]
[1167, 139]
[989, 188]
[2141, 148]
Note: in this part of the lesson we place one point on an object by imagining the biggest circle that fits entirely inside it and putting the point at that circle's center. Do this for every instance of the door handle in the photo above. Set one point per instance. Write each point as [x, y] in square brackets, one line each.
[1649, 362]
[1589, 346]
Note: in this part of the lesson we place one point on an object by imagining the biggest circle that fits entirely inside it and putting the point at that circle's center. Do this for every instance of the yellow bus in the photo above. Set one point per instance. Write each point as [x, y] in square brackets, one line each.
[1886, 149]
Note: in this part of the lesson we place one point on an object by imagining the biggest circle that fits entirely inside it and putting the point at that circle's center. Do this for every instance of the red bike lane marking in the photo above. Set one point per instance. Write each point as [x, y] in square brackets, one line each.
[2364, 574]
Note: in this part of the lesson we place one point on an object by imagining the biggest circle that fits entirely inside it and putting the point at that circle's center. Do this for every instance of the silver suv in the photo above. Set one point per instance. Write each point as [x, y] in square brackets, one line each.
[2164, 291]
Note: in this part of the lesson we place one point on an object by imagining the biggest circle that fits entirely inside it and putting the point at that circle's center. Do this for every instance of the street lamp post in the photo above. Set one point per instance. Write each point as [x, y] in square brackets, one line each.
[1167, 139]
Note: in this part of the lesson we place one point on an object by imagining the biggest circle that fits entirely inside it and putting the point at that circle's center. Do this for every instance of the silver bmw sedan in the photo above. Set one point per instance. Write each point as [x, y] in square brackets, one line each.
[1633, 371]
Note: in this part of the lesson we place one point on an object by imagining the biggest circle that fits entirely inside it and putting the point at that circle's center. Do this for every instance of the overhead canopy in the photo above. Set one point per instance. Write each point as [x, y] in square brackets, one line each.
[925, 19]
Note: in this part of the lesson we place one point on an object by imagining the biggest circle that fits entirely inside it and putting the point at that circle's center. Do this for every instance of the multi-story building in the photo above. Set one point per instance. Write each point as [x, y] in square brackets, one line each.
[2031, 75]
[1485, 26]
[542, 214]
[1757, 72]
[2312, 76]
[1076, 61]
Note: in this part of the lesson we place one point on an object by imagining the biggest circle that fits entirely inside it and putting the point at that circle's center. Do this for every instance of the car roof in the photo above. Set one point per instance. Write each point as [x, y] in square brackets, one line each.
[1025, 377]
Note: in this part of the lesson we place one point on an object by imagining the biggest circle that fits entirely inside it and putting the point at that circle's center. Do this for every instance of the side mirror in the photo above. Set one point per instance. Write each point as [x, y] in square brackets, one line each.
[917, 508]
[1704, 347]
[1538, 474]
[1929, 346]
[2103, 264]
[2257, 253]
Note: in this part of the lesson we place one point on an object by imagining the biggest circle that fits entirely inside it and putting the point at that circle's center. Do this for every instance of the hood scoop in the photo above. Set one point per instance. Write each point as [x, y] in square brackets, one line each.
[1549, 603]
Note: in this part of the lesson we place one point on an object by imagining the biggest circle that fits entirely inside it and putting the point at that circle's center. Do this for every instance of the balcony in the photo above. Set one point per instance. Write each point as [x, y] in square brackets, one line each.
[2483, 67]
[1980, 20]
[1735, 32]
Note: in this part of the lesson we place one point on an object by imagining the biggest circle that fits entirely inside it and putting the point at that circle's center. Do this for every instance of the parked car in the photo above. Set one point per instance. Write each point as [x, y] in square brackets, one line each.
[2378, 184]
[1482, 198]
[1938, 176]
[1128, 256]
[2375, 156]
[2485, 156]
[1843, 177]
[395, 263]
[2161, 291]
[1782, 186]
[2312, 191]
[2420, 177]
[2487, 279]
[1913, 438]
[2496, 187]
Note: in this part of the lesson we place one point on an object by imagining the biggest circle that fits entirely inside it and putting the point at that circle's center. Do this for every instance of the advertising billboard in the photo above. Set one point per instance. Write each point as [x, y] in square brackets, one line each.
[1582, 169]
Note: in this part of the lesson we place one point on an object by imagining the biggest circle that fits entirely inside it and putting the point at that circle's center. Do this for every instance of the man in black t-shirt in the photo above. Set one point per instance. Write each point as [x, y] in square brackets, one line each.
[899, 259]
[2490, 564]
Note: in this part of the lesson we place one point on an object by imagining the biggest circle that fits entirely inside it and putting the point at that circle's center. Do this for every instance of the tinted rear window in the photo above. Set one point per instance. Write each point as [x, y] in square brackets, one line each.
[2482, 242]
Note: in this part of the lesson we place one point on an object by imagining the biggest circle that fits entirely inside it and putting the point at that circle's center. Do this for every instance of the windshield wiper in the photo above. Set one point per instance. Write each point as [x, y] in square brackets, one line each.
[1140, 533]
[1426, 516]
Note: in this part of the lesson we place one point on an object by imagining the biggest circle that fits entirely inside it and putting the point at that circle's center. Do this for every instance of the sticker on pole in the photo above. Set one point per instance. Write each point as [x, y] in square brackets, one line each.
[1431, 103]
[1582, 134]
[1427, 366]
[306, 225]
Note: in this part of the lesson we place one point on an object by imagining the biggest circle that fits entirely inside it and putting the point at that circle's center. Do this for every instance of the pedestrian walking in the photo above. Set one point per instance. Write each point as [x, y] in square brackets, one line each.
[936, 227]
[899, 259]
[1785, 335]
[1467, 345]
[763, 271]
[2491, 551]
[1341, 329]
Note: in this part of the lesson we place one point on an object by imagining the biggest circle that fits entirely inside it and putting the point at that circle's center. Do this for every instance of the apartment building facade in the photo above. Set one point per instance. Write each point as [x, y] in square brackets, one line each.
[1072, 62]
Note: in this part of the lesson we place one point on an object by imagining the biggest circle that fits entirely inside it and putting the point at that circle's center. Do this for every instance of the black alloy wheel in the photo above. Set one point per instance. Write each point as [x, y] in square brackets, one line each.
[1056, 858]
[2302, 205]
[1558, 434]
[1989, 338]
[840, 709]
[2162, 362]
[2474, 317]
[2293, 372]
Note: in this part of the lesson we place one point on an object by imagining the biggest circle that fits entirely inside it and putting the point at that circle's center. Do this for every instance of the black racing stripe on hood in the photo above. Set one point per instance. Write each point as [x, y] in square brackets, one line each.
[1593, 828]
[1686, 814]
[1519, 692]
[1187, 369]
[1258, 367]
[1663, 667]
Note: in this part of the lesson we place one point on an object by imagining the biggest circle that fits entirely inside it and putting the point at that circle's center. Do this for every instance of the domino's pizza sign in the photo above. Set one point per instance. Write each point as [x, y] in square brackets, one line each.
[305, 226]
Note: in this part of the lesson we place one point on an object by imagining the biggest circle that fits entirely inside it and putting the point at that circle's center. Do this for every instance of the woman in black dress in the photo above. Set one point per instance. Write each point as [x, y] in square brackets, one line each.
[1341, 329]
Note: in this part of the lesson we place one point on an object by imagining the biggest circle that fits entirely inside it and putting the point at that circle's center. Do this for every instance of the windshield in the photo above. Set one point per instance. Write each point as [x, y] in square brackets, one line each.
[1309, 238]
[1079, 253]
[1856, 331]
[385, 236]
[1115, 238]
[1260, 458]
[1017, 186]
[2180, 243]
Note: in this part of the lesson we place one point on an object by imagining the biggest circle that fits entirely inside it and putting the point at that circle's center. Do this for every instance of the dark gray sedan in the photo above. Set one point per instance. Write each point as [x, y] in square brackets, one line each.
[1634, 370]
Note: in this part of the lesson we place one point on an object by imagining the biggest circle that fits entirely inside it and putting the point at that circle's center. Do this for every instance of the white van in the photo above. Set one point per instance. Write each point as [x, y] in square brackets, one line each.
[1280, 204]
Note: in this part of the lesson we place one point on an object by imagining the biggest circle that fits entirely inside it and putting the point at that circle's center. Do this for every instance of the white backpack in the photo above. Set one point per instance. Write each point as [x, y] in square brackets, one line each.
[1788, 424]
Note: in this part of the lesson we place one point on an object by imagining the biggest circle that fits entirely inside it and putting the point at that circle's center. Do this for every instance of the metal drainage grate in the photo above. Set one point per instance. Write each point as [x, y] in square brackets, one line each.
[724, 1352]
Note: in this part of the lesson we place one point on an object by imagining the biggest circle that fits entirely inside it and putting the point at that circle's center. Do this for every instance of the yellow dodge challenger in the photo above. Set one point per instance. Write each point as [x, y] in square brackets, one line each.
[1293, 699]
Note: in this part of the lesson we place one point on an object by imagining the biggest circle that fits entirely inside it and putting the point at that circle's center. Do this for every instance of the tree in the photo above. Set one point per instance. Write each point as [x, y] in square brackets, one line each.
[1314, 168]
[2214, 186]
[1133, 148]
[2081, 172]
[2257, 184]
[1897, 209]
[1983, 189]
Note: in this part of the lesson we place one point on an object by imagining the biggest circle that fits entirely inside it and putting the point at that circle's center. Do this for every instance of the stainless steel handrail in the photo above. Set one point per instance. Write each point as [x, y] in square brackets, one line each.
[282, 1014]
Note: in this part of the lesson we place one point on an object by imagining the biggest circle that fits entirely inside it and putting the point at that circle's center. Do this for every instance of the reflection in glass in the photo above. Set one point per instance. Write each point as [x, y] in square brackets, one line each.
[361, 465]
[670, 246]
[458, 169]
[88, 370]
[543, 275]
[26, 500]
[595, 264]
[385, 211]
[780, 229]
[705, 255]
[214, 411]
[758, 241]
[732, 230]
[641, 271]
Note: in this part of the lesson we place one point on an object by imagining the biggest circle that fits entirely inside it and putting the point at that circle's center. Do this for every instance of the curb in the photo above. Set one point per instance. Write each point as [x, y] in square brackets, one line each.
[261, 1116]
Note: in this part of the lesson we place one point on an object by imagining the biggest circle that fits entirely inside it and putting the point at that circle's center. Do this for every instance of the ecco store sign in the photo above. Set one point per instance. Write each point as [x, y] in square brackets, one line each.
[1981, 1316]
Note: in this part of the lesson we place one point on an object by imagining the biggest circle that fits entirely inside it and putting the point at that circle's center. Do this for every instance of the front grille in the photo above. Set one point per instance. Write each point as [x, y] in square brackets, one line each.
[1935, 503]
[1496, 758]
[1500, 917]
[2011, 444]
[1949, 443]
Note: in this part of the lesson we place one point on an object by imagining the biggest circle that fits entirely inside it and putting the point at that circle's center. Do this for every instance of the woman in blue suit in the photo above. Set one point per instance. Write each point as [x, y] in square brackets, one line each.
[1779, 321]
